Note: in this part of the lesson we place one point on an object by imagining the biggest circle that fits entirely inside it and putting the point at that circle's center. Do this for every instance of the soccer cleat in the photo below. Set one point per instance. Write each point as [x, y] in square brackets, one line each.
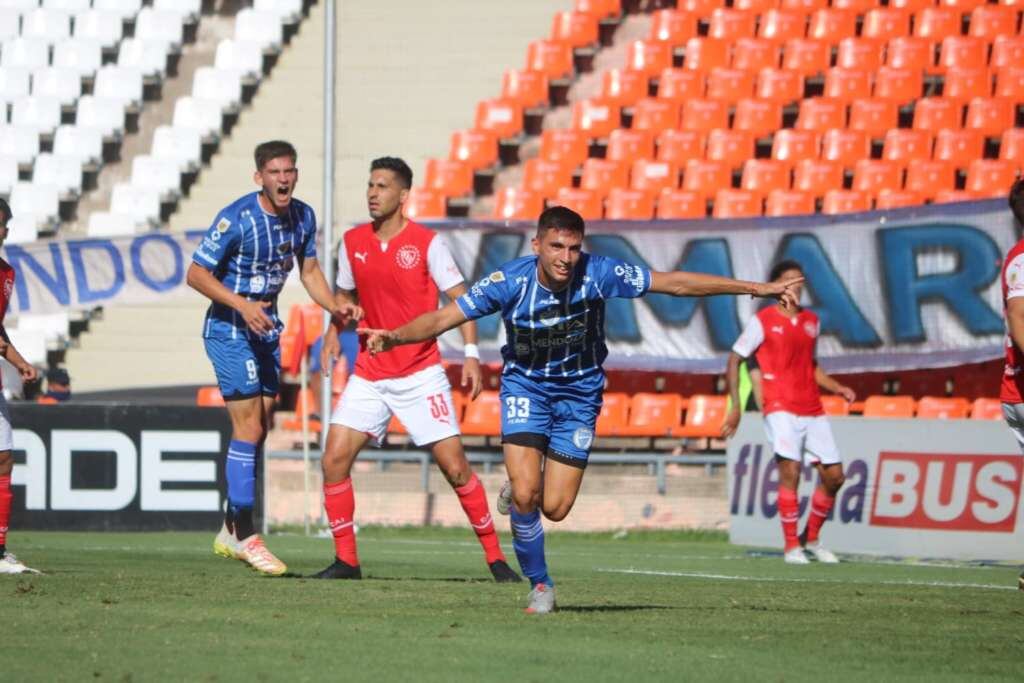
[503, 573]
[9, 564]
[505, 498]
[795, 556]
[253, 552]
[225, 544]
[339, 570]
[816, 552]
[541, 599]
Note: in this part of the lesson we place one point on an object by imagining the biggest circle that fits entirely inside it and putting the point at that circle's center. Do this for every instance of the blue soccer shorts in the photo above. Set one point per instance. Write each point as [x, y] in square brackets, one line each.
[244, 368]
[556, 417]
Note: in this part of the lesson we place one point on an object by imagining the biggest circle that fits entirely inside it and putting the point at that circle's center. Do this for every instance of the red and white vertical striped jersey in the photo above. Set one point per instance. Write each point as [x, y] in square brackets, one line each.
[1012, 280]
[784, 348]
[396, 281]
[6, 290]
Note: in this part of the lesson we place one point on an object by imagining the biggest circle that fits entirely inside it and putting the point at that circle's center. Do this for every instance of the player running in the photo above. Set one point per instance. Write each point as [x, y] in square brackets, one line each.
[396, 267]
[552, 383]
[9, 564]
[241, 266]
[782, 338]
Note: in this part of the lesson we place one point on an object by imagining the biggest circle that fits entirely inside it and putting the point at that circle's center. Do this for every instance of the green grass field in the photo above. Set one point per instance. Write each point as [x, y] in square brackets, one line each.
[659, 606]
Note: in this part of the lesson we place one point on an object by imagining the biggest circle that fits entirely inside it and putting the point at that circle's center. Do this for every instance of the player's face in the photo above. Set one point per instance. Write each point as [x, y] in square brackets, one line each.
[278, 178]
[558, 252]
[797, 289]
[384, 194]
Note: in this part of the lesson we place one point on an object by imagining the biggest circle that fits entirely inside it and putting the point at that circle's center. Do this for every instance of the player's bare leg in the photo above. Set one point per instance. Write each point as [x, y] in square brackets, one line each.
[451, 459]
[789, 509]
[9, 564]
[343, 445]
[831, 480]
[524, 466]
[561, 486]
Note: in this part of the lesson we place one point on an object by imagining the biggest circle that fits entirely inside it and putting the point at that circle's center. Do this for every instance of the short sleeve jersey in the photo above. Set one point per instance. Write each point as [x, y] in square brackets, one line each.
[6, 290]
[397, 281]
[555, 335]
[251, 252]
[1012, 279]
[784, 348]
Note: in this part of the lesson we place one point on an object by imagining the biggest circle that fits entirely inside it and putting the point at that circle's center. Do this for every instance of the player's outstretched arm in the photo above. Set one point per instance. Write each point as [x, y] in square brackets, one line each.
[471, 374]
[253, 312]
[681, 283]
[427, 326]
[732, 380]
[829, 383]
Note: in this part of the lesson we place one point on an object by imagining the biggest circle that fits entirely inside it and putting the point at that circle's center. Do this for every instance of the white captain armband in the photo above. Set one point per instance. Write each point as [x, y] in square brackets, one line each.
[471, 351]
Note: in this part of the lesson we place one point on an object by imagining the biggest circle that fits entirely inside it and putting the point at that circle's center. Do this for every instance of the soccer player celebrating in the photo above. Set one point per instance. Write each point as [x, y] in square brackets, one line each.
[9, 564]
[782, 339]
[241, 266]
[396, 268]
[553, 307]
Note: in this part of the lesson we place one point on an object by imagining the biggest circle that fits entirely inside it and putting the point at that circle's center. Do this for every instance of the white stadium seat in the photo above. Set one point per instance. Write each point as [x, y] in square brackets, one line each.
[31, 344]
[183, 145]
[160, 26]
[28, 53]
[84, 143]
[63, 172]
[107, 224]
[141, 203]
[157, 174]
[126, 9]
[41, 201]
[82, 55]
[245, 58]
[67, 5]
[36, 111]
[20, 5]
[21, 229]
[10, 23]
[263, 28]
[289, 11]
[121, 83]
[19, 142]
[52, 325]
[46, 24]
[14, 83]
[221, 85]
[150, 56]
[62, 84]
[101, 112]
[188, 9]
[203, 115]
[105, 27]
[8, 174]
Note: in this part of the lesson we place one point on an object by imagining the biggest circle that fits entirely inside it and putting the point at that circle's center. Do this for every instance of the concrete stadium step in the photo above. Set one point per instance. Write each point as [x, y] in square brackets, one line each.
[127, 369]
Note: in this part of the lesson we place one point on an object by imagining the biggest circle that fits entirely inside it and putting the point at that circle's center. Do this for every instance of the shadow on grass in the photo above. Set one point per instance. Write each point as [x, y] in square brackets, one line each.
[611, 608]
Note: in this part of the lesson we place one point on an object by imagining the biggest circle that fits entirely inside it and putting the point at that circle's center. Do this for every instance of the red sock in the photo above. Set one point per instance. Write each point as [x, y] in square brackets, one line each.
[789, 514]
[474, 504]
[821, 505]
[5, 507]
[340, 504]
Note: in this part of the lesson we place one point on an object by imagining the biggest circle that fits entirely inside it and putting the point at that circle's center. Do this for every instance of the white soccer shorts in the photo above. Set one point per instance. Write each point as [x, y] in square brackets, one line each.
[794, 435]
[6, 435]
[422, 402]
[1014, 414]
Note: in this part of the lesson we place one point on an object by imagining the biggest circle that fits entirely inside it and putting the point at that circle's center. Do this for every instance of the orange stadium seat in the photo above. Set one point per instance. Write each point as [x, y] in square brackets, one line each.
[704, 54]
[601, 175]
[602, 9]
[623, 86]
[705, 115]
[781, 25]
[896, 198]
[963, 52]
[765, 175]
[614, 414]
[517, 203]
[779, 85]
[987, 409]
[700, 7]
[734, 147]
[937, 113]
[679, 146]
[989, 21]
[653, 414]
[705, 416]
[835, 406]
[677, 204]
[672, 26]
[960, 147]
[596, 117]
[847, 84]
[820, 113]
[964, 6]
[447, 177]
[483, 416]
[567, 145]
[963, 83]
[943, 407]
[653, 176]
[990, 115]
[1011, 146]
[883, 23]
[875, 116]
[424, 204]
[807, 56]
[527, 88]
[730, 203]
[953, 196]
[912, 5]
[209, 397]
[803, 5]
[902, 145]
[990, 177]
[754, 54]
[501, 116]
[578, 29]
[305, 405]
[845, 146]
[679, 85]
[845, 201]
[625, 144]
[874, 175]
[478, 148]
[794, 145]
[649, 56]
[551, 57]
[899, 85]
[936, 23]
[587, 203]
[1010, 83]
[629, 204]
[706, 177]
[907, 52]
[927, 178]
[860, 53]
[1007, 51]
[832, 25]
[655, 114]
[395, 426]
[758, 117]
[756, 6]
[788, 203]
[731, 25]
[545, 176]
[730, 85]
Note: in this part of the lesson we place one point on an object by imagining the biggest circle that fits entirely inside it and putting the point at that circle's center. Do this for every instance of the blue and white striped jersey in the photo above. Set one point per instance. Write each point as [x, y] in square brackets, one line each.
[554, 334]
[251, 252]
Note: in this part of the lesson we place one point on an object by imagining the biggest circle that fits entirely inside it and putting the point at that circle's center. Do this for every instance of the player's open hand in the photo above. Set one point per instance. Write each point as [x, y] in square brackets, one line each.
[255, 316]
[329, 351]
[472, 377]
[378, 341]
[346, 313]
[781, 291]
[732, 423]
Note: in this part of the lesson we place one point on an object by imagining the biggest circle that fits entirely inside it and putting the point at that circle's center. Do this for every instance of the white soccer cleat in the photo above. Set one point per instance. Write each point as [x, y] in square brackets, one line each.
[253, 552]
[504, 503]
[821, 554]
[541, 600]
[795, 556]
[9, 564]
[225, 544]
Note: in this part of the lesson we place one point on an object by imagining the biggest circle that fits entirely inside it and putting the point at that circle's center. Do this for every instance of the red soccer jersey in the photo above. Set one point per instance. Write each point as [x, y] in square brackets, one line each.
[6, 290]
[1012, 280]
[397, 281]
[784, 348]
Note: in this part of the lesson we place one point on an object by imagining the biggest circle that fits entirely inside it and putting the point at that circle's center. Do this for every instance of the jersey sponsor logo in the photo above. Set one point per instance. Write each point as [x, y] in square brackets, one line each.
[811, 328]
[582, 438]
[222, 225]
[210, 245]
[497, 276]
[778, 329]
[631, 275]
[522, 349]
[468, 301]
[408, 257]
[550, 317]
[1015, 274]
[361, 256]
[215, 236]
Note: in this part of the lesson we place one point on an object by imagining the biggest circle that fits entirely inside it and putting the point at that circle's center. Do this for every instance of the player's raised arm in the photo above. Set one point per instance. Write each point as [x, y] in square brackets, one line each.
[681, 283]
[425, 327]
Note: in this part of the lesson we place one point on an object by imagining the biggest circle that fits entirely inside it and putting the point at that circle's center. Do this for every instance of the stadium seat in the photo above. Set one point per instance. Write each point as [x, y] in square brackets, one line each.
[788, 203]
[102, 26]
[289, 12]
[734, 147]
[704, 54]
[517, 203]
[67, 5]
[958, 146]
[847, 84]
[943, 407]
[623, 87]
[990, 116]
[206, 116]
[41, 113]
[81, 55]
[106, 224]
[22, 229]
[859, 53]
[896, 199]
[10, 23]
[601, 9]
[614, 414]
[209, 397]
[41, 202]
[182, 145]
[62, 172]
[758, 117]
[705, 115]
[629, 204]
[1011, 146]
[680, 204]
[550, 57]
[705, 416]
[731, 24]
[779, 25]
[84, 143]
[262, 28]
[730, 203]
[567, 145]
[987, 409]
[875, 116]
[503, 117]
[765, 175]
[244, 58]
[629, 145]
[103, 113]
[587, 203]
[655, 114]
[817, 177]
[650, 57]
[596, 117]
[963, 52]
[779, 85]
[807, 56]
[754, 54]
[906, 52]
[898, 85]
[936, 23]
[424, 204]
[653, 414]
[653, 176]
[148, 56]
[953, 196]
[820, 113]
[845, 146]
[483, 416]
[729, 85]
[450, 178]
[884, 23]
[8, 174]
[478, 148]
[845, 201]
[679, 146]
[672, 26]
[700, 7]
[524, 87]
[1007, 51]
[601, 175]
[706, 177]
[545, 176]
[27, 53]
[14, 83]
[141, 203]
[927, 178]
[902, 145]
[679, 85]
[50, 26]
[937, 113]
[19, 142]
[832, 24]
[990, 177]
[793, 145]
[990, 21]
[835, 406]
[125, 9]
[578, 29]
[964, 83]
[169, 27]
[1009, 83]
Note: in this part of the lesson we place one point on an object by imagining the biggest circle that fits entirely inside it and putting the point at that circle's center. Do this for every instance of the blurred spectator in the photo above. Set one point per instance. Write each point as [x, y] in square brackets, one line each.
[58, 386]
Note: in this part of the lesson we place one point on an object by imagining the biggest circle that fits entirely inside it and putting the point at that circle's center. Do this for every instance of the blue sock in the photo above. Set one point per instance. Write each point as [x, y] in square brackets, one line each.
[528, 542]
[240, 471]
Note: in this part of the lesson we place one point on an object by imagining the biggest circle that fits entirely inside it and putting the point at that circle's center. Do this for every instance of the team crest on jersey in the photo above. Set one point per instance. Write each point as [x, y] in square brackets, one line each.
[8, 286]
[582, 438]
[408, 257]
[811, 329]
[222, 225]
[257, 283]
[284, 248]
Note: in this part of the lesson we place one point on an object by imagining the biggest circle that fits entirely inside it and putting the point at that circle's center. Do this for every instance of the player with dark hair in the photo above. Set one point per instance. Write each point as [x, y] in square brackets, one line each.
[553, 303]
[241, 266]
[783, 338]
[9, 564]
[395, 268]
